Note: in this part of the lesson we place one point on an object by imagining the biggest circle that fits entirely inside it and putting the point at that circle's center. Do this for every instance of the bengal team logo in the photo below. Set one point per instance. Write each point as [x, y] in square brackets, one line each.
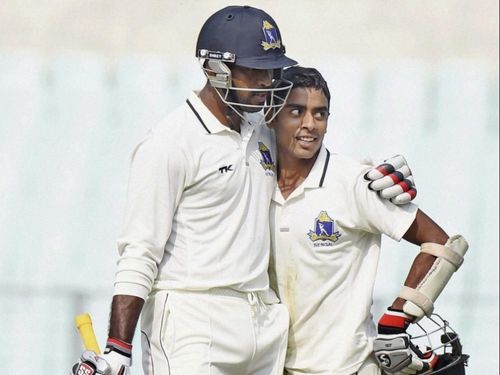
[272, 40]
[267, 160]
[324, 229]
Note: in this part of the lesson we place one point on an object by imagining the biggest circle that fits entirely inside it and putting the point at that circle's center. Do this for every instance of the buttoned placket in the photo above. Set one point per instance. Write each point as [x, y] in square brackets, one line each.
[284, 222]
[246, 131]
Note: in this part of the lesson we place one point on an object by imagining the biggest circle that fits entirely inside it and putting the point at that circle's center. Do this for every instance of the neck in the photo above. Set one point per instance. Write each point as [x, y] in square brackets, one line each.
[221, 111]
[292, 172]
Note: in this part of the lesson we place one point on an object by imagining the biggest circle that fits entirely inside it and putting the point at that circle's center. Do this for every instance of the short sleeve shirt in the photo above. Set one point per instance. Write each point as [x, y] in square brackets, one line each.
[325, 249]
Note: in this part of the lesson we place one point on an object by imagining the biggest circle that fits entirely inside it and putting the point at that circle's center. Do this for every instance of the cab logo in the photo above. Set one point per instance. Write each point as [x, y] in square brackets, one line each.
[324, 230]
[266, 160]
[271, 40]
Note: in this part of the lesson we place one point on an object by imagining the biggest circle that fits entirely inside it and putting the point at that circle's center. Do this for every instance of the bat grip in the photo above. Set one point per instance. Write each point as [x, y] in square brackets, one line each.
[83, 323]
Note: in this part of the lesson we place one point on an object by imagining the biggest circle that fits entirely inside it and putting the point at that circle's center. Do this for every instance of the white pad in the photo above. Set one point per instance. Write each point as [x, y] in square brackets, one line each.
[420, 301]
[444, 252]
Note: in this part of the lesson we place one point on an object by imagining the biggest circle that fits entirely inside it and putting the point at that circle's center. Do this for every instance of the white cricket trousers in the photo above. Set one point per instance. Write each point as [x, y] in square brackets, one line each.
[369, 367]
[218, 332]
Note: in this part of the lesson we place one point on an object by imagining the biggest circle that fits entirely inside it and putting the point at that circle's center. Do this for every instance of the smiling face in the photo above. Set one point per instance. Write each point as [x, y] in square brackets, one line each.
[301, 125]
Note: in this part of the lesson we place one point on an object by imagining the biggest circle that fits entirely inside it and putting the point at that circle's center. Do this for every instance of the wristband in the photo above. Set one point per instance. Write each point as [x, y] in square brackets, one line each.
[394, 322]
[121, 347]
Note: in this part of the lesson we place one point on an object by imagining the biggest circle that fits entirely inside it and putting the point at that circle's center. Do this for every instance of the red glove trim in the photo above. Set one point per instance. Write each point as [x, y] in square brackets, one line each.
[119, 343]
[432, 359]
[412, 192]
[396, 177]
[405, 185]
[395, 319]
[385, 169]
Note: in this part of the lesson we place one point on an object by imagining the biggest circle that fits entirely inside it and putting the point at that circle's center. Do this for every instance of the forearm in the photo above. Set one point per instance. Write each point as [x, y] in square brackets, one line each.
[125, 312]
[423, 229]
[439, 257]
[420, 268]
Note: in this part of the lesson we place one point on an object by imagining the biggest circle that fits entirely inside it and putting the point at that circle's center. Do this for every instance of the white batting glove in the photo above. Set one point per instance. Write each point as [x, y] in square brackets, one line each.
[394, 350]
[397, 355]
[393, 180]
[116, 360]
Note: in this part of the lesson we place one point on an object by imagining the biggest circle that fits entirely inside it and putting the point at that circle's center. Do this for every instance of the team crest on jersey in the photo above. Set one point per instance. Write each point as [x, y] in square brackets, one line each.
[267, 160]
[324, 229]
[271, 36]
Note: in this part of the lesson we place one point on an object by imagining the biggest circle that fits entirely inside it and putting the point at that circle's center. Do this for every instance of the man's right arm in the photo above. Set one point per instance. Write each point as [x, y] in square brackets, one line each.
[156, 183]
[125, 311]
[117, 357]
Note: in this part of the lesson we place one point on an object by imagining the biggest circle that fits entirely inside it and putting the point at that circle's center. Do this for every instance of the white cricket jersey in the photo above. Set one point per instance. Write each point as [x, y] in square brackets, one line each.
[197, 214]
[325, 250]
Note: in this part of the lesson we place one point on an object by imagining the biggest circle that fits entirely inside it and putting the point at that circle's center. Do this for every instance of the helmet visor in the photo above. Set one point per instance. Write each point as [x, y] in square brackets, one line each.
[281, 61]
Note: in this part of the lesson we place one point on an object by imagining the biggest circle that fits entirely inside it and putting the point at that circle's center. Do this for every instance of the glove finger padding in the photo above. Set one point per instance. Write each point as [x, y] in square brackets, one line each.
[397, 161]
[389, 166]
[90, 364]
[397, 188]
[421, 363]
[397, 355]
[393, 180]
[405, 197]
[388, 180]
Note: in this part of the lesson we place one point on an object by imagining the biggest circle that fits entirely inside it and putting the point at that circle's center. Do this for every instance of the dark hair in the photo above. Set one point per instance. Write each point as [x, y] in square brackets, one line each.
[307, 78]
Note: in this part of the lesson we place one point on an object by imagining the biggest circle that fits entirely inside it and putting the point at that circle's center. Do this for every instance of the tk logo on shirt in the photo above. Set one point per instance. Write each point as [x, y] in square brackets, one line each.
[226, 168]
[324, 230]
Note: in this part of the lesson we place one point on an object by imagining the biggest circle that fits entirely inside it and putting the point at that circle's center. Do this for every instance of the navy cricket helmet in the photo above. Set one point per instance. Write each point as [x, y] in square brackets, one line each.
[248, 36]
[433, 334]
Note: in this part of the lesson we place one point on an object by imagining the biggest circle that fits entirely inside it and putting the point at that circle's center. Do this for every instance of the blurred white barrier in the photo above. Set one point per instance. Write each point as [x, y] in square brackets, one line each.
[68, 125]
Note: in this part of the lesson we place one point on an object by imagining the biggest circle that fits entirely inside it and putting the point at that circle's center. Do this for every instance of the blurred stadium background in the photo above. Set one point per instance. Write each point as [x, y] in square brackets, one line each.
[82, 81]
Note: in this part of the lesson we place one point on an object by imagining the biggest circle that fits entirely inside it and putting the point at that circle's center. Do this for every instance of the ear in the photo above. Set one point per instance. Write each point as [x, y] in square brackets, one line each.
[272, 124]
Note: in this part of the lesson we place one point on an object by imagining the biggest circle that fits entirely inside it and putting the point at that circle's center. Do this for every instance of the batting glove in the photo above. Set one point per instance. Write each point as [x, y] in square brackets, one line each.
[116, 360]
[393, 180]
[394, 350]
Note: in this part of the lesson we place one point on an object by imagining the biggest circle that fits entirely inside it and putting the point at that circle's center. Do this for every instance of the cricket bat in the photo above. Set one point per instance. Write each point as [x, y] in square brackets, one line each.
[83, 323]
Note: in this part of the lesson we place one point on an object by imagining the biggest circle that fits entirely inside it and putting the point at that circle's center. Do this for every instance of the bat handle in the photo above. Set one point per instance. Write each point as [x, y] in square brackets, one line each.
[84, 324]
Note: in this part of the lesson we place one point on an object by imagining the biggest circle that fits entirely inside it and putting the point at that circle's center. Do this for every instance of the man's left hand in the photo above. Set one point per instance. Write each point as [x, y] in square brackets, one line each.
[393, 180]
[395, 352]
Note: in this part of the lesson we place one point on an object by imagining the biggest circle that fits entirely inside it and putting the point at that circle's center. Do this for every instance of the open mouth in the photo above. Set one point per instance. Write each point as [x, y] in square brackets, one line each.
[306, 139]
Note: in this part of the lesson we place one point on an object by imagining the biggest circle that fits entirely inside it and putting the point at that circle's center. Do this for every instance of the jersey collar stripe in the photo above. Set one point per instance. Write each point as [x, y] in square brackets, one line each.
[325, 168]
[198, 116]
